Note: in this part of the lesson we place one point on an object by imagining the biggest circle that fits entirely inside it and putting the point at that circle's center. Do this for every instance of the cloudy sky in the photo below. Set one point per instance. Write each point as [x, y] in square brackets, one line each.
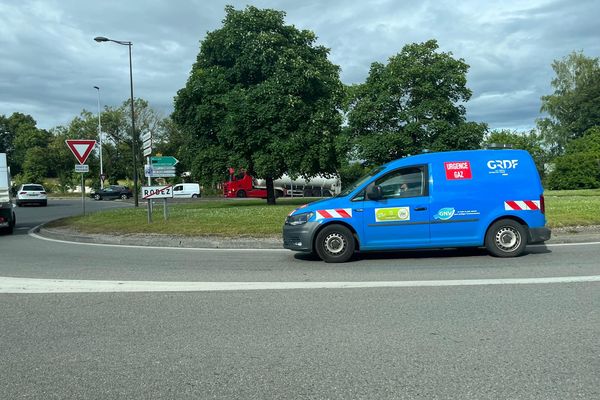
[49, 63]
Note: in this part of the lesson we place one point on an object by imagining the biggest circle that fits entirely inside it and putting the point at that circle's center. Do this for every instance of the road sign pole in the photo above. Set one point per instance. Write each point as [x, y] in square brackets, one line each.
[149, 200]
[82, 194]
[165, 209]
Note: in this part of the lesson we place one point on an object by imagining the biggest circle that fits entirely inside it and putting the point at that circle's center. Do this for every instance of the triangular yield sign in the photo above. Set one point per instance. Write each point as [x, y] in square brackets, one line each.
[81, 148]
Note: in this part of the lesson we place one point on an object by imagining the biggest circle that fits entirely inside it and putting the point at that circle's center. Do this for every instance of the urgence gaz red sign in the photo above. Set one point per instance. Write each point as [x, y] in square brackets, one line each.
[456, 170]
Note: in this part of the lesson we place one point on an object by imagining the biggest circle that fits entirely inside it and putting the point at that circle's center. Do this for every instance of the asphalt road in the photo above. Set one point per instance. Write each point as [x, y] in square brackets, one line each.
[491, 340]
[31, 215]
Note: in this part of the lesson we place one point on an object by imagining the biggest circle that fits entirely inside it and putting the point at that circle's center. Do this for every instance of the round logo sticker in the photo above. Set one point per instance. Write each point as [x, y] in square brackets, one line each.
[445, 213]
[403, 213]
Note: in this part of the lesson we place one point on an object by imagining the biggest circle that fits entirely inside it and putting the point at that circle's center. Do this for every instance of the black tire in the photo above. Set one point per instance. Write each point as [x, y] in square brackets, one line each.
[506, 238]
[335, 244]
[97, 197]
[124, 197]
[241, 194]
[45, 203]
[194, 196]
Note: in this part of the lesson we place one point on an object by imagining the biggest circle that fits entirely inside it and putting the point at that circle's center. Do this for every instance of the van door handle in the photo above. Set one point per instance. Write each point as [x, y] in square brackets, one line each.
[420, 208]
[358, 209]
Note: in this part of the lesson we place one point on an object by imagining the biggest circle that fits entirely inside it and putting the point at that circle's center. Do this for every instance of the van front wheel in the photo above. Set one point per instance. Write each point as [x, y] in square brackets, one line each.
[335, 244]
[506, 238]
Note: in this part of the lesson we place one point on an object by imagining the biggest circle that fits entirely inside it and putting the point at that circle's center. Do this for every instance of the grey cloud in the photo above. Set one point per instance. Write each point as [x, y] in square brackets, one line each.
[49, 62]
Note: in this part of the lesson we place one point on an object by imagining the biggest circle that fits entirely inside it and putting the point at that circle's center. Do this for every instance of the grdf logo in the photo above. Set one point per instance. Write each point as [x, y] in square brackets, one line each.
[502, 164]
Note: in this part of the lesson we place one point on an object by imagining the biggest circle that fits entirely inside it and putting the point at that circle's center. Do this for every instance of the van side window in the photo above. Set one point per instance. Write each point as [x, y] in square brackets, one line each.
[404, 182]
[178, 188]
[361, 196]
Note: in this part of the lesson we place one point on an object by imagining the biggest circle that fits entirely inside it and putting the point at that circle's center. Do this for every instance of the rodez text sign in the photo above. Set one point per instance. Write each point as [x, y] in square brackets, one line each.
[157, 192]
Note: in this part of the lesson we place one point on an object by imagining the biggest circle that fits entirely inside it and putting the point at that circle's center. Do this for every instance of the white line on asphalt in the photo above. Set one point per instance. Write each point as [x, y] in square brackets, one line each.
[131, 246]
[564, 244]
[32, 285]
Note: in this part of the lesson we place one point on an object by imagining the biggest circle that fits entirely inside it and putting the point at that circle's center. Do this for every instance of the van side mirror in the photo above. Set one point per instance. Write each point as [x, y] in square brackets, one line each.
[374, 193]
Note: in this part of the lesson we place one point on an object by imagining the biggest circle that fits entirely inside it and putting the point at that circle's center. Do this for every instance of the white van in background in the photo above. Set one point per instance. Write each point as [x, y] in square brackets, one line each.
[186, 190]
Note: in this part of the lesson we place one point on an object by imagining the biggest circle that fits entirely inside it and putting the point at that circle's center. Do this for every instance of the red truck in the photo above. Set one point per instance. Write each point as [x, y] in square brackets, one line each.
[244, 185]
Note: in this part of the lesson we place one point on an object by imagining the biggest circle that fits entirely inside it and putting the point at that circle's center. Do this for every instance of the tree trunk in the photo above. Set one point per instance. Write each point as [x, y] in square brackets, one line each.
[270, 191]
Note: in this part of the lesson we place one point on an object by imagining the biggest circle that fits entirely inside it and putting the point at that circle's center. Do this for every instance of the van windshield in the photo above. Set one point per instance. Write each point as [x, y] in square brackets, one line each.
[360, 181]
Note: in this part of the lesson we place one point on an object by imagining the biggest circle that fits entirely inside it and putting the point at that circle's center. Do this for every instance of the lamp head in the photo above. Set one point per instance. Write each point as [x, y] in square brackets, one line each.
[96, 87]
[101, 39]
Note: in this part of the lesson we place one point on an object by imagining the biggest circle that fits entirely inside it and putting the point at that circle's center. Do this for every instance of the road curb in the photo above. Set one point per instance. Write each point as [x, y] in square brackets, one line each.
[559, 236]
[159, 240]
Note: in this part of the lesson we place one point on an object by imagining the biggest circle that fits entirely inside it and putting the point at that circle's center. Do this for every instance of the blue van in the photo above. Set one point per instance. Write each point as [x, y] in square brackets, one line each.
[491, 198]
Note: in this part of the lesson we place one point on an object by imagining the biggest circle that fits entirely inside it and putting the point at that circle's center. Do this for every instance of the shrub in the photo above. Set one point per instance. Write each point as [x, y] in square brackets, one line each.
[575, 171]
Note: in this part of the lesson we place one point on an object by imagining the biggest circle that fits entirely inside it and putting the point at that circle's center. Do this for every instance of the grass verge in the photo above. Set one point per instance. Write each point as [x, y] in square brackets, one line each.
[212, 217]
[254, 218]
[572, 207]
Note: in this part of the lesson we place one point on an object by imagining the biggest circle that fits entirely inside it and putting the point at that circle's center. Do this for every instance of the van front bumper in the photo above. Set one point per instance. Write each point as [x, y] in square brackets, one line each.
[299, 237]
[539, 235]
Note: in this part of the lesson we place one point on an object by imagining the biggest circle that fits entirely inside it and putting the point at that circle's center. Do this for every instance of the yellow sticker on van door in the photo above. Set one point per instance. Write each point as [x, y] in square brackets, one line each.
[392, 214]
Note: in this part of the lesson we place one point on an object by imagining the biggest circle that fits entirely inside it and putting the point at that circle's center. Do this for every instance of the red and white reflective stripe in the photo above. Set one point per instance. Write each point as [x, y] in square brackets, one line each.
[334, 213]
[522, 205]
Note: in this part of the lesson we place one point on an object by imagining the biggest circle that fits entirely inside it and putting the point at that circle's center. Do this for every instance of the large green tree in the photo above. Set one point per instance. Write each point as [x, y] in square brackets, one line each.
[36, 164]
[19, 134]
[262, 96]
[7, 135]
[574, 107]
[413, 103]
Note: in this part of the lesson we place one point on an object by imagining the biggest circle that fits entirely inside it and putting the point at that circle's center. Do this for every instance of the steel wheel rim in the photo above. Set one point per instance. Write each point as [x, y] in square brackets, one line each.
[335, 243]
[507, 239]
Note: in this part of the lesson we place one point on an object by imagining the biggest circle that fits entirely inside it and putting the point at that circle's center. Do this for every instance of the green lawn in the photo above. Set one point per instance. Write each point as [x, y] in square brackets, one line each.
[213, 217]
[572, 207]
[255, 218]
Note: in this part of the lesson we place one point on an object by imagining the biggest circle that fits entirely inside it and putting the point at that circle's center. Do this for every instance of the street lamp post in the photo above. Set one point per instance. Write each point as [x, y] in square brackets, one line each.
[133, 136]
[100, 140]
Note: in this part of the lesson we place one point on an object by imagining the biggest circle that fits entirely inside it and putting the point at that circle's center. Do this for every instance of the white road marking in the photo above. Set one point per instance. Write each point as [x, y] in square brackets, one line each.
[131, 246]
[563, 244]
[32, 285]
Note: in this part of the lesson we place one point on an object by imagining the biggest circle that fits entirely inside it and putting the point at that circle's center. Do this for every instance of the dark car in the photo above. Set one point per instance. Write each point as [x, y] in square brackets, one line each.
[112, 192]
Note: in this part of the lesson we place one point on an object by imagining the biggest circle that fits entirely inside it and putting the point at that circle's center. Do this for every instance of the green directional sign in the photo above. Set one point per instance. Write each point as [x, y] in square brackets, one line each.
[166, 161]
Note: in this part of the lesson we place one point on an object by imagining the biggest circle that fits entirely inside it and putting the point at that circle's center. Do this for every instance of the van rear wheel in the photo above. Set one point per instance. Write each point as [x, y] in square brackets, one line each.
[506, 238]
[335, 244]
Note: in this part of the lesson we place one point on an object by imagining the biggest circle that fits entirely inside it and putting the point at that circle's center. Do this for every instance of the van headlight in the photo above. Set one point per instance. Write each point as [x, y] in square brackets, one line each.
[298, 219]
